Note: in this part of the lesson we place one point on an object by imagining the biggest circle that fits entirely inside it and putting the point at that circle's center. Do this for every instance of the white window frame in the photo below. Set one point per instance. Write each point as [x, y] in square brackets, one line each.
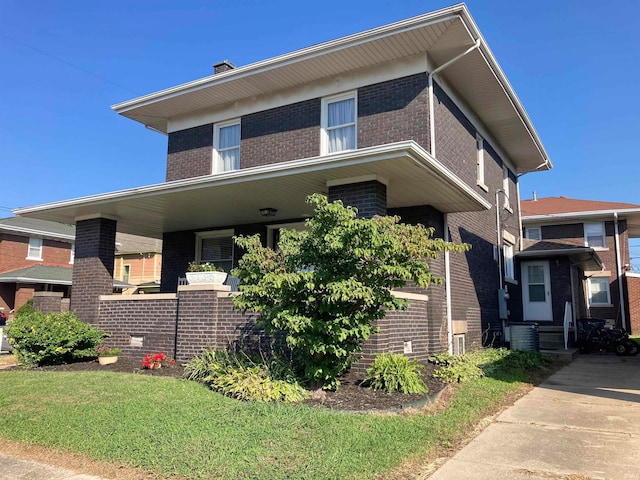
[324, 120]
[529, 230]
[606, 282]
[459, 344]
[506, 189]
[213, 234]
[34, 251]
[218, 166]
[480, 163]
[509, 266]
[72, 254]
[601, 231]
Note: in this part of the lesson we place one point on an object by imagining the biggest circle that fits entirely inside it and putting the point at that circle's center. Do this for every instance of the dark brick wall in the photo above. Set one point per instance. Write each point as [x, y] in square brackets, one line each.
[151, 318]
[393, 111]
[571, 233]
[48, 302]
[178, 249]
[190, 153]
[281, 134]
[633, 304]
[93, 268]
[370, 198]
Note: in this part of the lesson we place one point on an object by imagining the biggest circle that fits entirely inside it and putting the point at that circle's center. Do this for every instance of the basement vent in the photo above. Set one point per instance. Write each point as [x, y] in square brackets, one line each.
[137, 342]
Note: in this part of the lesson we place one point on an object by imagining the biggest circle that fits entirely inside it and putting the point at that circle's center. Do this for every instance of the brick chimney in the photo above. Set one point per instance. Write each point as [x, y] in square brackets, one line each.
[223, 66]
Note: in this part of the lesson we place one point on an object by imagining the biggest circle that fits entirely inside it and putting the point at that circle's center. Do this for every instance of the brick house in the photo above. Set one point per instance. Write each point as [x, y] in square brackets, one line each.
[138, 262]
[414, 118]
[577, 251]
[35, 256]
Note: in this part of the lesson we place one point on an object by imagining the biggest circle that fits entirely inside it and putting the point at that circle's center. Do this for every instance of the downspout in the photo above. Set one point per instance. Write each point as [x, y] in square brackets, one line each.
[499, 239]
[432, 145]
[619, 272]
[447, 276]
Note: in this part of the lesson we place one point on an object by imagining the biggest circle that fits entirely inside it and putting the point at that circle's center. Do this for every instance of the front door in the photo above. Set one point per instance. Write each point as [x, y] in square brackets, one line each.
[536, 291]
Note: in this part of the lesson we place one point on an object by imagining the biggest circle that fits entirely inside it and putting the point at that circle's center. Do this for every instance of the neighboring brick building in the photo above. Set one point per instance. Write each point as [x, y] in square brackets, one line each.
[414, 118]
[35, 256]
[577, 251]
[138, 262]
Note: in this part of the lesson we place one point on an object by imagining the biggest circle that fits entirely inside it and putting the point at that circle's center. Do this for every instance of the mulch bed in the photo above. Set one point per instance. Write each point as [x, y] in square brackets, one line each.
[351, 396]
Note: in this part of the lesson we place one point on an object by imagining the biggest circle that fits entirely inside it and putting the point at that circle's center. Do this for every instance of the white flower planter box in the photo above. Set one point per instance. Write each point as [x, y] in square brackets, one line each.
[200, 278]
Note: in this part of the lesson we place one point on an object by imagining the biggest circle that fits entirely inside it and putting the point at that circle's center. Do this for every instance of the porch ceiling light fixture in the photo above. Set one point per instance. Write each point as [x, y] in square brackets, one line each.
[268, 212]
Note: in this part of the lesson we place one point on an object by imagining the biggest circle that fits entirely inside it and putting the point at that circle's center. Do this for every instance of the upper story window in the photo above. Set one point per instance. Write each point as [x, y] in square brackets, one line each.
[480, 162]
[339, 123]
[505, 188]
[35, 249]
[226, 142]
[215, 247]
[533, 233]
[72, 256]
[599, 293]
[509, 269]
[594, 235]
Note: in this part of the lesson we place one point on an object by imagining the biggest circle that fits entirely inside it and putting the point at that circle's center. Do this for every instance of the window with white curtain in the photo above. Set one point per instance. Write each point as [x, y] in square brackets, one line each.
[594, 235]
[509, 269]
[480, 160]
[505, 188]
[339, 123]
[226, 141]
[533, 233]
[35, 249]
[599, 293]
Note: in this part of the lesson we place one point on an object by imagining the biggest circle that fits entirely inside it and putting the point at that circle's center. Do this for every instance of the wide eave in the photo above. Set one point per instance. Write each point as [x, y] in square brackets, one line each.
[412, 175]
[441, 35]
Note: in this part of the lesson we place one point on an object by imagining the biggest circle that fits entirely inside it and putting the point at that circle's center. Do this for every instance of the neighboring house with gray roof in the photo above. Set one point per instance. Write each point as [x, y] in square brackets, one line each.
[35, 255]
[38, 256]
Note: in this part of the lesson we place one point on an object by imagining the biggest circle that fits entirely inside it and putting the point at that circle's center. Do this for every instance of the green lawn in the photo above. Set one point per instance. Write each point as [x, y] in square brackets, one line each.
[176, 427]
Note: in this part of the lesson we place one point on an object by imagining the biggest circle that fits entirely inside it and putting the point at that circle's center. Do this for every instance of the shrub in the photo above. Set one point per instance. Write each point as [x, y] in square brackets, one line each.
[485, 361]
[27, 307]
[392, 372]
[327, 285]
[238, 376]
[53, 338]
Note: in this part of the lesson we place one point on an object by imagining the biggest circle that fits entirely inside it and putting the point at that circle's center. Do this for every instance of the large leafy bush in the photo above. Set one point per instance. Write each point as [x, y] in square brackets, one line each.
[54, 338]
[325, 287]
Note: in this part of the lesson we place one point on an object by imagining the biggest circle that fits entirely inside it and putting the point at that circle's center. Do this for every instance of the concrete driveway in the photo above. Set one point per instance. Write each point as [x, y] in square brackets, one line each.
[583, 423]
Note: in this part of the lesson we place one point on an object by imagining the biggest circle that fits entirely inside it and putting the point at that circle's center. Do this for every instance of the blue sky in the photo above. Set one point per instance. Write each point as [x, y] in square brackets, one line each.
[574, 65]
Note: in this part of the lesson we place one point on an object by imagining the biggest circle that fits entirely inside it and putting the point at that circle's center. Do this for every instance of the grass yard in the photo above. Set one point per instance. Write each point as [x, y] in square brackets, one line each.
[177, 428]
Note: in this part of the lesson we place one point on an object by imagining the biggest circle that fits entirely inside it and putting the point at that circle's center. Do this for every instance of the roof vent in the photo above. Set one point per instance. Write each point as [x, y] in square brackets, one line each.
[223, 66]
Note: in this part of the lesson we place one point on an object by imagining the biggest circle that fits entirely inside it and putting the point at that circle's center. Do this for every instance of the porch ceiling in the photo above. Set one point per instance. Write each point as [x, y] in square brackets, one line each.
[412, 175]
[441, 35]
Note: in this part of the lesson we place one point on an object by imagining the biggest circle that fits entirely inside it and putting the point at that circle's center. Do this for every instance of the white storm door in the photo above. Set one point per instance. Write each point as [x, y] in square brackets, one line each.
[536, 291]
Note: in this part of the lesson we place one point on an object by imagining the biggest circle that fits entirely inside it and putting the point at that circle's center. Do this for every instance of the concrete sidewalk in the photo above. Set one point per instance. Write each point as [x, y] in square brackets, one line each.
[12, 468]
[584, 420]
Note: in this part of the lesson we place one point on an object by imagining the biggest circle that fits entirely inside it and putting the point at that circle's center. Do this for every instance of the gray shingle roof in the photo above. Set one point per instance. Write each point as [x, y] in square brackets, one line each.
[126, 243]
[46, 274]
[34, 225]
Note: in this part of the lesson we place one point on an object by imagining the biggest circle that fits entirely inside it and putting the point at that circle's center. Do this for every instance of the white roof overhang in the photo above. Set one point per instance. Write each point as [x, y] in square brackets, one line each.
[631, 215]
[442, 35]
[585, 256]
[412, 175]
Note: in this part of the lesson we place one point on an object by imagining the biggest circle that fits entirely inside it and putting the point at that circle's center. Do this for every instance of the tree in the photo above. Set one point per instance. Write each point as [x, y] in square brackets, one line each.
[326, 286]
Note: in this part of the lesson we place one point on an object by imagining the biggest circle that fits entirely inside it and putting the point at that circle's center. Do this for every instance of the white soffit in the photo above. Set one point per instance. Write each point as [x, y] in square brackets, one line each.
[442, 34]
[234, 198]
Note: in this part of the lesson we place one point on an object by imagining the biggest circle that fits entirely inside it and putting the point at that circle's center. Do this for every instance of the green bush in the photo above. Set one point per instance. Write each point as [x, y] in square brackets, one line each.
[26, 308]
[54, 338]
[485, 361]
[392, 372]
[238, 376]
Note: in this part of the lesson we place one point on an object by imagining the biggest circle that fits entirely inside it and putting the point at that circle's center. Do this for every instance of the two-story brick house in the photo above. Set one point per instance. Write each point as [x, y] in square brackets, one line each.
[35, 256]
[414, 119]
[577, 251]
